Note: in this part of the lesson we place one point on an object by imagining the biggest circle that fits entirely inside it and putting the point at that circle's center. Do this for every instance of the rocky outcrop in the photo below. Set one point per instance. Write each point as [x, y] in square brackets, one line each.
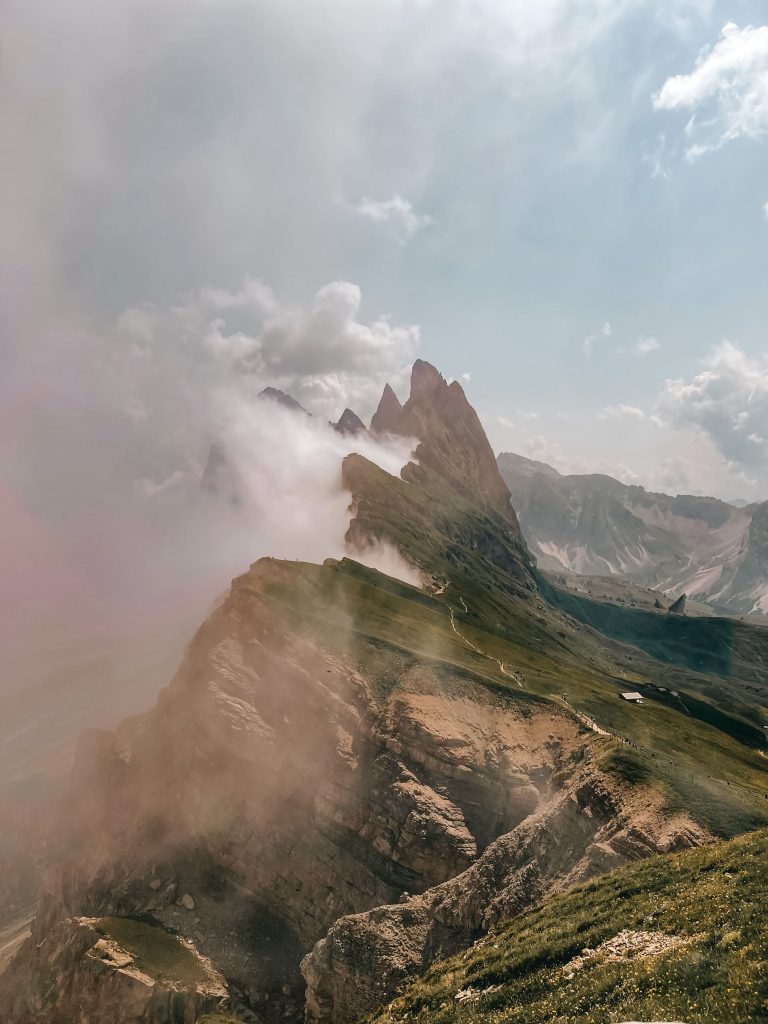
[274, 788]
[678, 606]
[271, 394]
[387, 416]
[585, 829]
[78, 972]
[350, 424]
[452, 439]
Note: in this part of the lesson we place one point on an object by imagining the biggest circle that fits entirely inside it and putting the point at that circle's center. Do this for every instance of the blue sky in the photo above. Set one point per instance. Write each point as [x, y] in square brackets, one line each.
[560, 202]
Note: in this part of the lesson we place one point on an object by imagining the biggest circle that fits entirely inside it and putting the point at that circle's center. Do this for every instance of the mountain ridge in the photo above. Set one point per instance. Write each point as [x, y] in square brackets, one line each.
[593, 524]
[350, 777]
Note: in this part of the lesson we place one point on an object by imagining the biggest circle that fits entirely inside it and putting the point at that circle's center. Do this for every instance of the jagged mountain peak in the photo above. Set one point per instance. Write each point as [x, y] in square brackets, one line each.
[349, 423]
[452, 440]
[276, 395]
[386, 416]
[425, 378]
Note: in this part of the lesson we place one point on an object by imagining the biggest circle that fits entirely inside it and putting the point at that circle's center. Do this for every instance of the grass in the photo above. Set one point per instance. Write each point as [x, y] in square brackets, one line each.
[714, 897]
[701, 644]
[155, 951]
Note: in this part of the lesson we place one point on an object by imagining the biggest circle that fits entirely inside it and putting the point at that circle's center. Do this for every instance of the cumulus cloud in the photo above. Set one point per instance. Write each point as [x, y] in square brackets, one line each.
[287, 469]
[645, 345]
[726, 92]
[396, 212]
[544, 449]
[728, 402]
[323, 353]
[604, 333]
[112, 425]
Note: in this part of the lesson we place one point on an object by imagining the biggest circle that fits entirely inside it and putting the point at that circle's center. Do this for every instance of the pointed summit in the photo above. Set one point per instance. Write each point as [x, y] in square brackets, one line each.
[350, 424]
[425, 379]
[387, 416]
[276, 395]
[453, 442]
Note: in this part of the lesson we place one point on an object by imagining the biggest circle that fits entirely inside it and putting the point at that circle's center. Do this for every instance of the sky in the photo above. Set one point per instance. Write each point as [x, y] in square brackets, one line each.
[562, 203]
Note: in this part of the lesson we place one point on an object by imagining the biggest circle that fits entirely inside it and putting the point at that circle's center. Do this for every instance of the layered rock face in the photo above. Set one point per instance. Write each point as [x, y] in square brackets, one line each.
[583, 829]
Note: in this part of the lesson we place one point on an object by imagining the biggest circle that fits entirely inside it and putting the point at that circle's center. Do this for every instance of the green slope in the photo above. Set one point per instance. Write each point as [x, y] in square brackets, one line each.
[712, 898]
[699, 760]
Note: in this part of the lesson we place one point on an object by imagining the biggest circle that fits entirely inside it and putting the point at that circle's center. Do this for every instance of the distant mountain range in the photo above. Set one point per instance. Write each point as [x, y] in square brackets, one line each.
[712, 550]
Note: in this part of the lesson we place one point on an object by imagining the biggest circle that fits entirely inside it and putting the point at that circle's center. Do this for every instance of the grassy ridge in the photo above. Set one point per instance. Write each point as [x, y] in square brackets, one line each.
[698, 763]
[713, 897]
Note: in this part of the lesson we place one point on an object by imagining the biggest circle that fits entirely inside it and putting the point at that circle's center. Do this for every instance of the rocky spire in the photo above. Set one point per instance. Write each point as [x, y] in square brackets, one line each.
[452, 440]
[276, 395]
[350, 424]
[387, 416]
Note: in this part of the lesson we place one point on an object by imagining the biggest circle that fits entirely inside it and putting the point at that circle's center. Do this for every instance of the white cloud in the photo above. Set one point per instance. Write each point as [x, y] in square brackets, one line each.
[727, 91]
[588, 345]
[645, 345]
[765, 210]
[657, 158]
[521, 414]
[728, 402]
[543, 449]
[619, 411]
[396, 212]
[324, 354]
